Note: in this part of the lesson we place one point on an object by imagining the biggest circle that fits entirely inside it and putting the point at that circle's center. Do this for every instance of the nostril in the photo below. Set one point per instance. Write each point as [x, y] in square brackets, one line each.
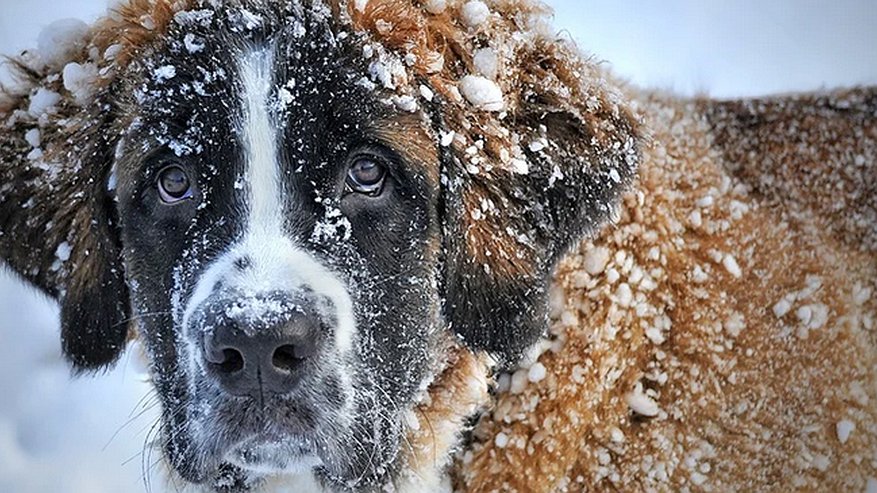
[285, 358]
[232, 361]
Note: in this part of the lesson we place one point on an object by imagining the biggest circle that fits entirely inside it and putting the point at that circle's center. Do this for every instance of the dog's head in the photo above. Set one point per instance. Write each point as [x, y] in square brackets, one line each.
[300, 206]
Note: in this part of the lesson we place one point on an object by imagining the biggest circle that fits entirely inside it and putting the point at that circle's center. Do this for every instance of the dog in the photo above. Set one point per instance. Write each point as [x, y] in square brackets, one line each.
[365, 247]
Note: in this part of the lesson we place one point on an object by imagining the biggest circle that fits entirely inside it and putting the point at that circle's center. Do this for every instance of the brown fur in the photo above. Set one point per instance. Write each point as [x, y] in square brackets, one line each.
[748, 400]
[754, 410]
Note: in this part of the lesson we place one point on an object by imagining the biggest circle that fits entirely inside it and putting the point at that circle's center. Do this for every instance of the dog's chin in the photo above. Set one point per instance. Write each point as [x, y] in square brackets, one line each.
[272, 455]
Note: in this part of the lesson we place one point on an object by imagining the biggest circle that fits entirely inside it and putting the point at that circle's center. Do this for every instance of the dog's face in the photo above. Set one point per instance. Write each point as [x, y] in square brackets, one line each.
[281, 241]
[297, 244]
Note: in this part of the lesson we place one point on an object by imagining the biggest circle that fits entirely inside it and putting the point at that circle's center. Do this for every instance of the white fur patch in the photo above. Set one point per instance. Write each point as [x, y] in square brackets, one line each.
[276, 262]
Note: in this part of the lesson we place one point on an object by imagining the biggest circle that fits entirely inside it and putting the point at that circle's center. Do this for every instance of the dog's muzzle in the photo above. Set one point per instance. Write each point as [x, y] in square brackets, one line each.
[252, 345]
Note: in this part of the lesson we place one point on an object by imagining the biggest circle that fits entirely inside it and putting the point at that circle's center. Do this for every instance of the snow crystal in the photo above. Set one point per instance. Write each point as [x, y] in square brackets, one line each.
[32, 137]
[614, 176]
[475, 13]
[387, 72]
[730, 264]
[435, 6]
[821, 462]
[482, 93]
[804, 314]
[844, 429]
[249, 19]
[79, 80]
[695, 218]
[537, 145]
[519, 381]
[595, 260]
[405, 103]
[536, 373]
[63, 251]
[519, 166]
[426, 93]
[112, 51]
[698, 275]
[360, 5]
[705, 201]
[165, 72]
[735, 324]
[697, 478]
[624, 295]
[61, 41]
[447, 138]
[192, 43]
[616, 435]
[192, 17]
[655, 335]
[819, 316]
[641, 404]
[486, 63]
[501, 440]
[861, 294]
[783, 306]
[43, 102]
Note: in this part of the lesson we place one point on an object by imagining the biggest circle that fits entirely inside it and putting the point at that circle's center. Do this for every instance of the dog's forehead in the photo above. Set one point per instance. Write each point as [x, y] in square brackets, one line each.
[187, 95]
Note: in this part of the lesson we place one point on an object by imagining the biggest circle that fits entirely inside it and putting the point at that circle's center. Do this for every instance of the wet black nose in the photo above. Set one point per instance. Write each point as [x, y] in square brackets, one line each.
[253, 353]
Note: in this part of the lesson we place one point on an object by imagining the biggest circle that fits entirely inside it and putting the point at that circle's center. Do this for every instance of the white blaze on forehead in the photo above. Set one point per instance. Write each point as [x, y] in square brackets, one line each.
[260, 133]
[275, 262]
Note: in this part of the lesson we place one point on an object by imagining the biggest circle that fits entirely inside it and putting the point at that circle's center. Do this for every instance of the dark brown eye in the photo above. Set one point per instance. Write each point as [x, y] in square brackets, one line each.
[366, 175]
[174, 185]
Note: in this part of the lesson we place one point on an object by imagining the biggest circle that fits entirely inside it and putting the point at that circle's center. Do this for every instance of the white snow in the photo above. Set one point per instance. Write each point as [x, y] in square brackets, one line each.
[435, 6]
[730, 264]
[165, 72]
[192, 43]
[63, 251]
[475, 13]
[53, 429]
[60, 41]
[482, 93]
[844, 429]
[79, 80]
[501, 440]
[641, 404]
[43, 102]
[447, 138]
[32, 137]
[405, 103]
[486, 63]
[536, 373]
[783, 306]
[624, 295]
[595, 260]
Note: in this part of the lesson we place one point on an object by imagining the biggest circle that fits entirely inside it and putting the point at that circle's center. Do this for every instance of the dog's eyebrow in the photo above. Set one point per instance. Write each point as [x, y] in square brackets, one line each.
[406, 134]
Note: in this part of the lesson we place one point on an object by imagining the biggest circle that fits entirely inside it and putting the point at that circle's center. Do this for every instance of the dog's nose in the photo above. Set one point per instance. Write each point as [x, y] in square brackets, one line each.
[256, 354]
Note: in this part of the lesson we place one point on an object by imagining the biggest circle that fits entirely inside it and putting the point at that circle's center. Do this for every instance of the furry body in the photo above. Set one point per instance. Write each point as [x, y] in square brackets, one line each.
[719, 335]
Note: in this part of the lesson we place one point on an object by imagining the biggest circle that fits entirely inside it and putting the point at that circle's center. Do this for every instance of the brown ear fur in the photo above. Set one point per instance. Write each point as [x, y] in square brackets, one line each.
[57, 228]
[519, 185]
[505, 229]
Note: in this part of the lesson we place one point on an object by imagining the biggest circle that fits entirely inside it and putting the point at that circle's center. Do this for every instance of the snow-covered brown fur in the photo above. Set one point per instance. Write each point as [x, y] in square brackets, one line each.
[719, 335]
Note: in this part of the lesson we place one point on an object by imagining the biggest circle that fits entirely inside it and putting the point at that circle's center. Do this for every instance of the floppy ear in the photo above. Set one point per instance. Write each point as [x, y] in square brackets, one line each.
[57, 225]
[510, 217]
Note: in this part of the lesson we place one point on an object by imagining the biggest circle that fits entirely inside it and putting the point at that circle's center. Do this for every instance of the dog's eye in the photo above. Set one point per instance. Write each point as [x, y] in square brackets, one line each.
[174, 185]
[366, 175]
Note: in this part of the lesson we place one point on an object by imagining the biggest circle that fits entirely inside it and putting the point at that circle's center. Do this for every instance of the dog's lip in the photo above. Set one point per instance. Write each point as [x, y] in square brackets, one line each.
[272, 453]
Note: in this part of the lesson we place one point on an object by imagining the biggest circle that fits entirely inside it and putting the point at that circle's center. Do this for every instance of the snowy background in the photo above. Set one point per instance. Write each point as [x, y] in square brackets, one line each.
[85, 435]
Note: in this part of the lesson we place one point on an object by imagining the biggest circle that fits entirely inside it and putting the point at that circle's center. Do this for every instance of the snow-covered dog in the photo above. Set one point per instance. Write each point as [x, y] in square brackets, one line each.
[329, 223]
